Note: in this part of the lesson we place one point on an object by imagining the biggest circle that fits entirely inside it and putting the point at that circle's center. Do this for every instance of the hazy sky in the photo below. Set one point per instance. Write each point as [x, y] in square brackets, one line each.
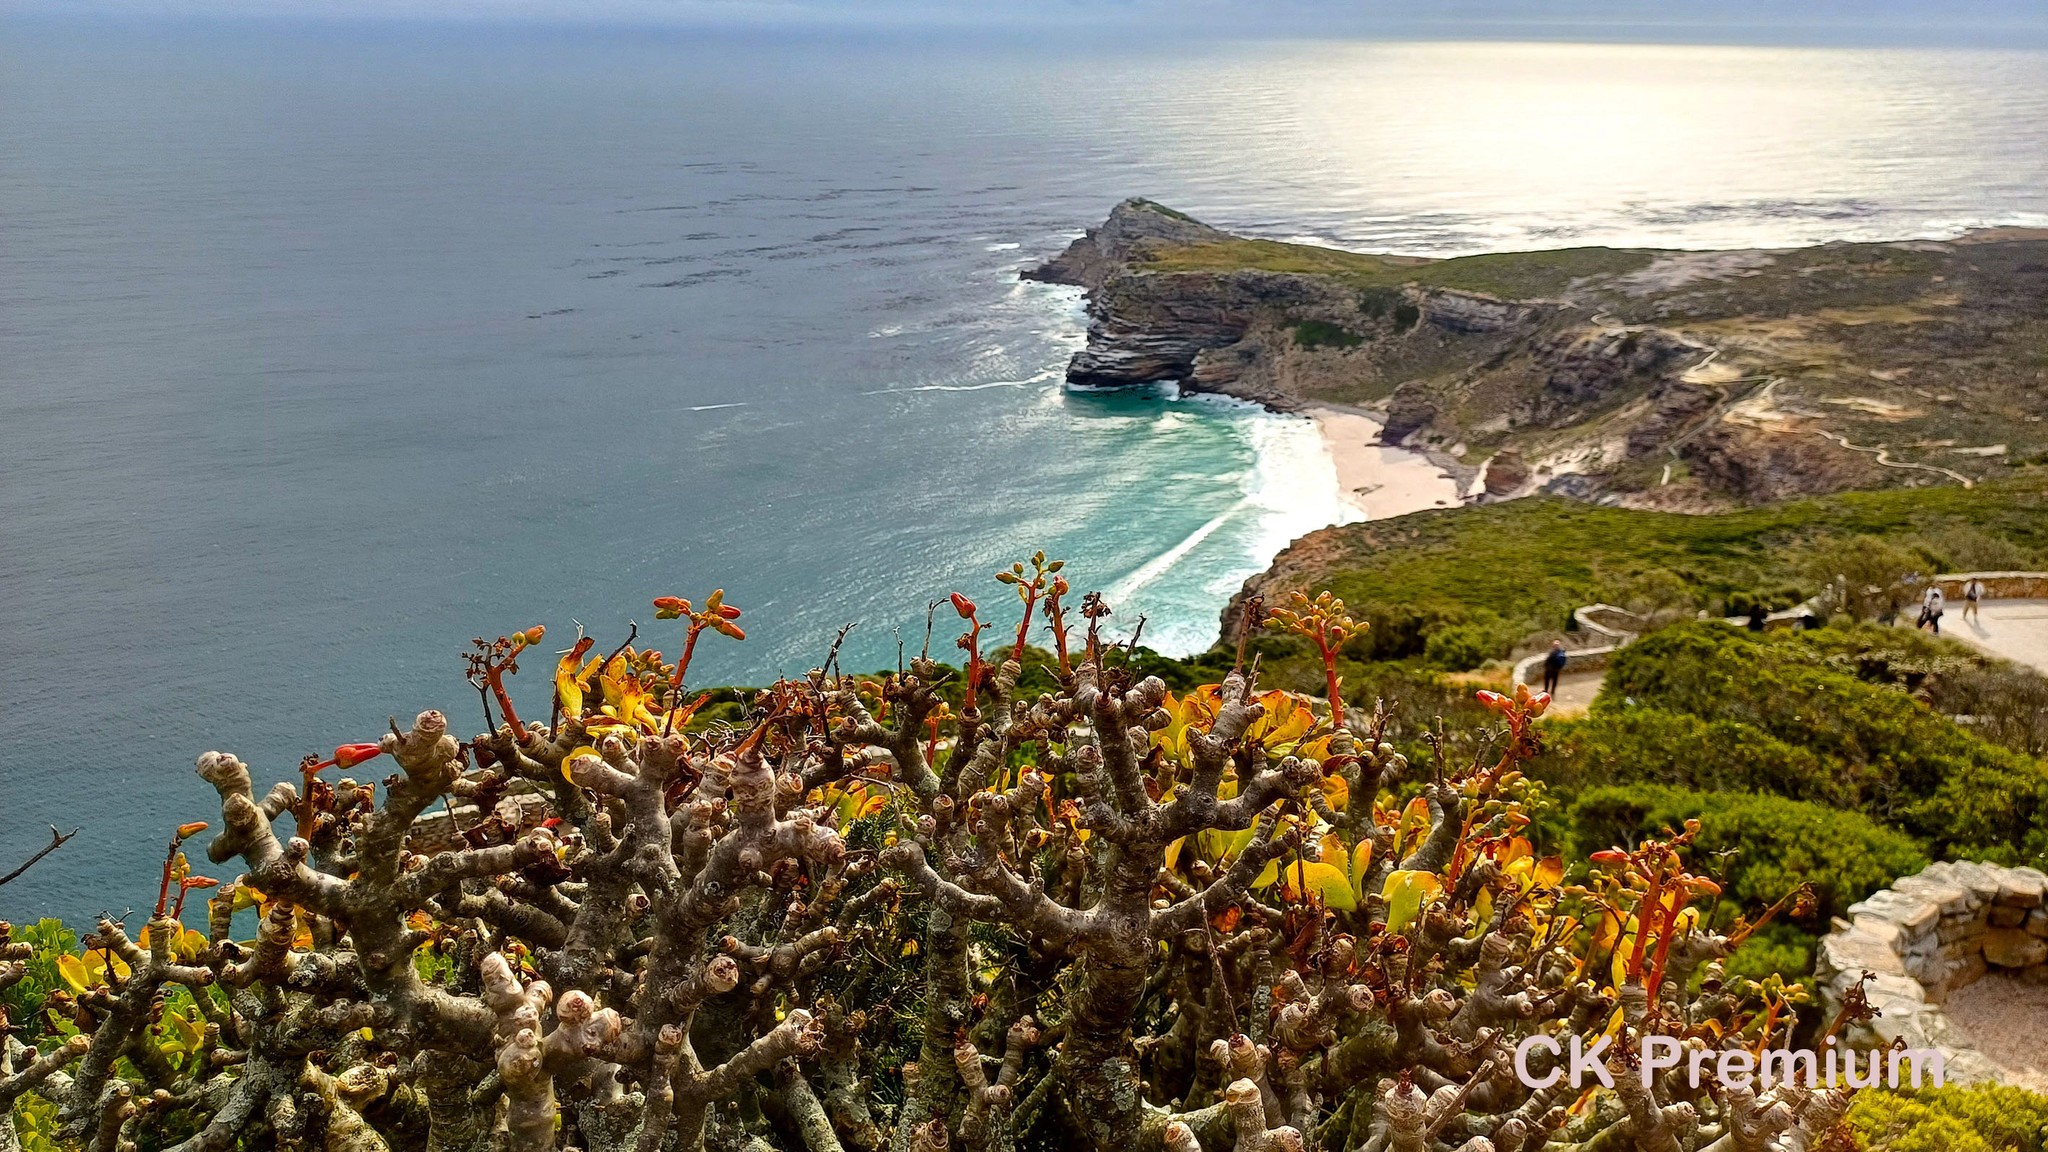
[1948, 21]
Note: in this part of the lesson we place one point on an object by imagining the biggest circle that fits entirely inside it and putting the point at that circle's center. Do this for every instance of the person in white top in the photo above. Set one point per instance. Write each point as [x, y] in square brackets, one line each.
[1930, 608]
[1972, 592]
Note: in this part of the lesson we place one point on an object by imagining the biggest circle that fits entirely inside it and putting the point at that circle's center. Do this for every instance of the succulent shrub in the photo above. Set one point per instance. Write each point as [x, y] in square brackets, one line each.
[917, 910]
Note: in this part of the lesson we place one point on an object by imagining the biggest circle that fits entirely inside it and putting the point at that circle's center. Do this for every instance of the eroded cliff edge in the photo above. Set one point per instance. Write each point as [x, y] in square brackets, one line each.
[1678, 380]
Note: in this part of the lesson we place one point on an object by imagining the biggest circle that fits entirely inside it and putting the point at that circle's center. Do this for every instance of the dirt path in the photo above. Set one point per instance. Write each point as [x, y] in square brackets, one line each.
[2006, 1019]
[2014, 629]
[1575, 692]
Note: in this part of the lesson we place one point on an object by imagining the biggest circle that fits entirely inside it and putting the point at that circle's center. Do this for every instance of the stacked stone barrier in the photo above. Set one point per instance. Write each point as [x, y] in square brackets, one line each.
[1924, 938]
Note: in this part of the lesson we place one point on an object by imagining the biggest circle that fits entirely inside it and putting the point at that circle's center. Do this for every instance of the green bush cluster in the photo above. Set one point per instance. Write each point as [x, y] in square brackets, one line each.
[1774, 844]
[1978, 1118]
[1821, 733]
[1323, 334]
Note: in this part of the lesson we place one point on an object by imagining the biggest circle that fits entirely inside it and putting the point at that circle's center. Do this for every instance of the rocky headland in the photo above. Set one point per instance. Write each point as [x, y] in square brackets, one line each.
[1688, 381]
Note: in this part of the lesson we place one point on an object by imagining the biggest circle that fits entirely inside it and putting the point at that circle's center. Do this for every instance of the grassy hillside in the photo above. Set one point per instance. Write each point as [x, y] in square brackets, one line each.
[1511, 275]
[1497, 574]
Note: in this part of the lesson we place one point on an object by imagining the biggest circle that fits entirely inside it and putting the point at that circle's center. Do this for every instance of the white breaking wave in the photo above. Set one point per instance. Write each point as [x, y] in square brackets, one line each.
[1041, 378]
[1289, 491]
[716, 407]
[1163, 563]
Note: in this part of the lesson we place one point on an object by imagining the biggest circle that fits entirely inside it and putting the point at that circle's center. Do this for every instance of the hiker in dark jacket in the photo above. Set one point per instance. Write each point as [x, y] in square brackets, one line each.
[1553, 666]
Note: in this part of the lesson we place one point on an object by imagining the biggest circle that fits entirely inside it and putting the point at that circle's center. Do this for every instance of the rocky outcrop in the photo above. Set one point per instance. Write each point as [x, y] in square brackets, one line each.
[1105, 250]
[1759, 466]
[1588, 367]
[1506, 472]
[1927, 936]
[1475, 314]
[1409, 410]
[1749, 376]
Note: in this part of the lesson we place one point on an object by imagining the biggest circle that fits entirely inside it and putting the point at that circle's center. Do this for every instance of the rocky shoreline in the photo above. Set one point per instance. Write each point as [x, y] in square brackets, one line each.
[1676, 380]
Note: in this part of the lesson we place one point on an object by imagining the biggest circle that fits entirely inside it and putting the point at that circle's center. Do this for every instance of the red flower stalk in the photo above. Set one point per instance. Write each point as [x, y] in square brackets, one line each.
[172, 856]
[716, 615]
[1029, 589]
[1058, 622]
[1323, 621]
[970, 641]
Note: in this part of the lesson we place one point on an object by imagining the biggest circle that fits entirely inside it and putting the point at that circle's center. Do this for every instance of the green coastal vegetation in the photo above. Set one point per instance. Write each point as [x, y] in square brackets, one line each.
[1510, 275]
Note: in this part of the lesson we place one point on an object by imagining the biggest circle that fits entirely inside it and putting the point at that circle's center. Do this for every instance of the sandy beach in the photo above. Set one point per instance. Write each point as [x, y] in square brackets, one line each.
[1377, 480]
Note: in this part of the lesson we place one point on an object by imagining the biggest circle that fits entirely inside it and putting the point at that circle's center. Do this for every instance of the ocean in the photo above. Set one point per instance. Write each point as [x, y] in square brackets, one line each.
[324, 349]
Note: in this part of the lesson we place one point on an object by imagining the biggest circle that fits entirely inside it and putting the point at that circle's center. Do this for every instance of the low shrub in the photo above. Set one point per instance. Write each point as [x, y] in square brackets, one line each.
[1655, 746]
[1977, 1118]
[1777, 843]
[1884, 752]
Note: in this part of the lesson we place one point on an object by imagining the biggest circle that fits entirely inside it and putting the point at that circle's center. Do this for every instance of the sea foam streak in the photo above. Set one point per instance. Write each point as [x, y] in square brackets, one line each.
[1041, 378]
[1289, 490]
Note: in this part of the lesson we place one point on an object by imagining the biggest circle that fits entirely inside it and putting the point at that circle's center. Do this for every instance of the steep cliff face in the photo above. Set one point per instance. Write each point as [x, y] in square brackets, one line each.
[1674, 380]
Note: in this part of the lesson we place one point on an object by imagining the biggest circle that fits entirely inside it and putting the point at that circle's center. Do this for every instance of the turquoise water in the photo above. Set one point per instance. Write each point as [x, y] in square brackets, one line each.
[325, 350]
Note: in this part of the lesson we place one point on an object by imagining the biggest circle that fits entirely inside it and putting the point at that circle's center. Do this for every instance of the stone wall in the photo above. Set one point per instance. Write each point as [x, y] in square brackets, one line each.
[1997, 585]
[1529, 669]
[1928, 935]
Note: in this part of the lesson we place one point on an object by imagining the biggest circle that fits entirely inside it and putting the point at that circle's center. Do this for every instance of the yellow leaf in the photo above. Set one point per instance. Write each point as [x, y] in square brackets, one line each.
[1285, 720]
[1405, 892]
[1173, 852]
[1326, 882]
[1223, 847]
[1336, 791]
[1414, 826]
[1517, 848]
[579, 750]
[189, 1035]
[1267, 875]
[572, 681]
[1482, 908]
[1333, 850]
[75, 973]
[1361, 863]
[1550, 871]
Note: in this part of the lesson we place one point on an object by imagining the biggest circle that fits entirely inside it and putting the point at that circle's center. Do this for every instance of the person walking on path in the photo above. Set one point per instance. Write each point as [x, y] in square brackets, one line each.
[1553, 666]
[1930, 608]
[1972, 592]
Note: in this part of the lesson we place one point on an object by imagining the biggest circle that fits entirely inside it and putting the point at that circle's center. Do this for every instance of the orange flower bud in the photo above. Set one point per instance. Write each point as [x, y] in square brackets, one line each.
[670, 607]
[728, 611]
[187, 831]
[963, 606]
[350, 755]
[1609, 857]
[1493, 700]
